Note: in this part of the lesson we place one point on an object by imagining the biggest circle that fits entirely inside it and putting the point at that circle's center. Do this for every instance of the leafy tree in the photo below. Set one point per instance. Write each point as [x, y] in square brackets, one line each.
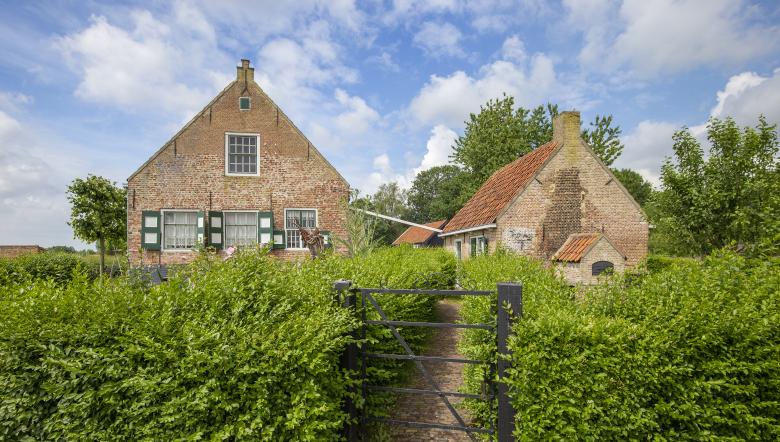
[98, 212]
[499, 134]
[637, 186]
[437, 193]
[729, 196]
[604, 139]
[389, 199]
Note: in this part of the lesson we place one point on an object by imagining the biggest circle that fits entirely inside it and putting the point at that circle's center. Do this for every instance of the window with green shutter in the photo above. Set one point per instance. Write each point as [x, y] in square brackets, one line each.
[279, 239]
[150, 230]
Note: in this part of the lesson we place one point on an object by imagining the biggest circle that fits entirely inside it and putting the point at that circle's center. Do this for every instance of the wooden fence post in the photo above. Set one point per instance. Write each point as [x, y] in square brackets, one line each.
[348, 361]
[511, 294]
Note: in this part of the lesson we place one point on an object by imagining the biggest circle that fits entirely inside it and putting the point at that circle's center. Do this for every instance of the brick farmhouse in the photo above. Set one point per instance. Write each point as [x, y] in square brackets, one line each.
[239, 173]
[542, 203]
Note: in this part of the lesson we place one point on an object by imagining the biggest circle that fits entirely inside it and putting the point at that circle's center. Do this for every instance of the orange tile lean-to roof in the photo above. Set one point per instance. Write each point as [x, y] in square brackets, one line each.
[575, 247]
[500, 189]
[414, 235]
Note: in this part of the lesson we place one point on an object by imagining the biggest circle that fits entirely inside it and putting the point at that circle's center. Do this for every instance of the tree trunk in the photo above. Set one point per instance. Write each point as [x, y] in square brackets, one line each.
[102, 251]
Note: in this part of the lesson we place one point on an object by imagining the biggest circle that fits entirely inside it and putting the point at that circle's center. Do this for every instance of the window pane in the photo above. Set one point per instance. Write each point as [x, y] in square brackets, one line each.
[180, 230]
[242, 154]
[240, 228]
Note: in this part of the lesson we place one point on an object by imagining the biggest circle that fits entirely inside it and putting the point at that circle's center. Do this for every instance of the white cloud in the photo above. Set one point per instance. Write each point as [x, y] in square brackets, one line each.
[651, 37]
[154, 66]
[385, 61]
[357, 117]
[449, 99]
[439, 39]
[646, 147]
[12, 101]
[514, 49]
[437, 150]
[32, 187]
[748, 95]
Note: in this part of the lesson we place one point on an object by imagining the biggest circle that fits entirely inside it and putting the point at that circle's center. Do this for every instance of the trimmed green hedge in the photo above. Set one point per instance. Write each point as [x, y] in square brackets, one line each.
[689, 352]
[57, 266]
[242, 349]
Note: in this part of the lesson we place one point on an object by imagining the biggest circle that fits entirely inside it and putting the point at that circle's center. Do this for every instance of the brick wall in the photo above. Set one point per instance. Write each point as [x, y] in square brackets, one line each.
[573, 193]
[14, 251]
[189, 172]
[582, 272]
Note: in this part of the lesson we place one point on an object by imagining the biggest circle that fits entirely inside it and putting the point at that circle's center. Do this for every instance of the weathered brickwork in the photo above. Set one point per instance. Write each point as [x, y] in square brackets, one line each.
[573, 192]
[602, 204]
[14, 251]
[189, 171]
[582, 272]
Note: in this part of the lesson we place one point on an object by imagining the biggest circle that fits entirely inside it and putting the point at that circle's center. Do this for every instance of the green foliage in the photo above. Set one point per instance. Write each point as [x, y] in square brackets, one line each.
[438, 193]
[730, 196]
[389, 199]
[637, 186]
[604, 139]
[690, 351]
[55, 266]
[98, 212]
[499, 134]
[543, 291]
[359, 239]
[243, 349]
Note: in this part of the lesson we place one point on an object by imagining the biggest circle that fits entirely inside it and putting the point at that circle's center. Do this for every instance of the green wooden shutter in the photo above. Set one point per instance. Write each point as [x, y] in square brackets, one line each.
[201, 229]
[265, 227]
[473, 244]
[150, 230]
[216, 226]
[280, 239]
[326, 236]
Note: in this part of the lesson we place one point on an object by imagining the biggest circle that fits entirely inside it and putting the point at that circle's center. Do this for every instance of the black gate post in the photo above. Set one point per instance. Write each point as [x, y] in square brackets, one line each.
[348, 361]
[512, 294]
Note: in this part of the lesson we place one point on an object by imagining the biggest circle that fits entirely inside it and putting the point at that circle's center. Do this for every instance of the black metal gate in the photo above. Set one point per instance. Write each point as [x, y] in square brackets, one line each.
[510, 299]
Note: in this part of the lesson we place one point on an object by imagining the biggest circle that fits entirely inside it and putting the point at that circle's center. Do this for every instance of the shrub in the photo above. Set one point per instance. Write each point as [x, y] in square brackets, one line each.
[688, 352]
[543, 291]
[242, 349]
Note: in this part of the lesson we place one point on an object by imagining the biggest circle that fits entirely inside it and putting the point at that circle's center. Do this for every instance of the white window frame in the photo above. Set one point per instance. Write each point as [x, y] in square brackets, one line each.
[458, 249]
[227, 154]
[483, 248]
[162, 230]
[316, 225]
[224, 224]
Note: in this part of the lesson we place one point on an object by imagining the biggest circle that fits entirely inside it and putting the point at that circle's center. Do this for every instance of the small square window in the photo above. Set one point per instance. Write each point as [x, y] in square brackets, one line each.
[244, 103]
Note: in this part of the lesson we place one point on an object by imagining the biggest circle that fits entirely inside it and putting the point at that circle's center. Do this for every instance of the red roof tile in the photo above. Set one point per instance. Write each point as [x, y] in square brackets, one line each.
[576, 246]
[500, 189]
[414, 235]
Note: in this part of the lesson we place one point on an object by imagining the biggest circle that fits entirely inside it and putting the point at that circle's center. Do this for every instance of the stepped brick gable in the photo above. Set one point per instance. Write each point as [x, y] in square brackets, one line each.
[536, 203]
[239, 173]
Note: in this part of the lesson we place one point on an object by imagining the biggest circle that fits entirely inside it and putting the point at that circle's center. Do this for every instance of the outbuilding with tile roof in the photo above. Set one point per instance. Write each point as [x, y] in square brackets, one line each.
[584, 257]
[535, 203]
[419, 237]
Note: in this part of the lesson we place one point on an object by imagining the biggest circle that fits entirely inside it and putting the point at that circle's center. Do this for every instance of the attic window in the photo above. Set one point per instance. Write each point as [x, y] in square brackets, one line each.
[241, 154]
[244, 103]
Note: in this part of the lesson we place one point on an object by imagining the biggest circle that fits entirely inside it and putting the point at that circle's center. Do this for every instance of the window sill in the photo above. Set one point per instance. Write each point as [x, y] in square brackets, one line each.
[178, 250]
[242, 174]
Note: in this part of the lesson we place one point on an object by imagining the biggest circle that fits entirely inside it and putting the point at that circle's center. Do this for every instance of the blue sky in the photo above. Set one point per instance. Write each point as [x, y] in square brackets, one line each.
[382, 88]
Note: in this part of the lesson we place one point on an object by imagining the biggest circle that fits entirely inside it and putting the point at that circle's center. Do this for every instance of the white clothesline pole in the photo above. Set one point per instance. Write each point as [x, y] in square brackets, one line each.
[398, 220]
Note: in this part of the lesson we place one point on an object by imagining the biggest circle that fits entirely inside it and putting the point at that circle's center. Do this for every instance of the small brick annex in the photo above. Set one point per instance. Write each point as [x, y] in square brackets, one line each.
[188, 173]
[534, 204]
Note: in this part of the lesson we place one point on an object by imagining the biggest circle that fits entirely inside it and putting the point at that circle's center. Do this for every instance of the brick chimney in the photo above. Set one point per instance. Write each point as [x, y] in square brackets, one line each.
[566, 128]
[244, 72]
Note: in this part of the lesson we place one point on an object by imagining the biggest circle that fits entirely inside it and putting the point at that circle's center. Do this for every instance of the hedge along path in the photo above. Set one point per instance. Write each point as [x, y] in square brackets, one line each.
[448, 376]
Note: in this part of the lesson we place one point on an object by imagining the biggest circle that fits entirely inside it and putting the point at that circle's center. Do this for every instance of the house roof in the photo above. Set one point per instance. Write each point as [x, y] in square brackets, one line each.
[500, 189]
[415, 235]
[576, 246]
